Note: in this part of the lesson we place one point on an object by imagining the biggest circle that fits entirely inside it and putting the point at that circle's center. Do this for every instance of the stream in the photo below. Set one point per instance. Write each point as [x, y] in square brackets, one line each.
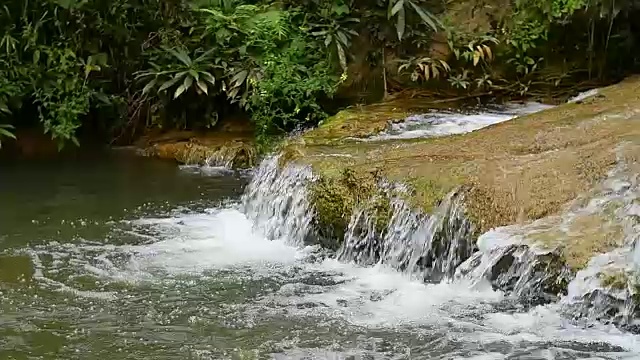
[117, 257]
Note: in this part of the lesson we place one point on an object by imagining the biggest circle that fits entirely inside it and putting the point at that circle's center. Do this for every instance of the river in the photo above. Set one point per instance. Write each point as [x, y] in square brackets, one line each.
[117, 257]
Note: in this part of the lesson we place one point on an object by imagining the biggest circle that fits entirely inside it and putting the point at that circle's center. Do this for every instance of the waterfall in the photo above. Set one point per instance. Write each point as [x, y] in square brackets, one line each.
[428, 246]
[441, 245]
[277, 203]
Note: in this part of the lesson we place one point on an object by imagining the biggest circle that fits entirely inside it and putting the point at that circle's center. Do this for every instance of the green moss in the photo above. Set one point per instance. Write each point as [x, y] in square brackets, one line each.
[617, 280]
[335, 198]
[427, 193]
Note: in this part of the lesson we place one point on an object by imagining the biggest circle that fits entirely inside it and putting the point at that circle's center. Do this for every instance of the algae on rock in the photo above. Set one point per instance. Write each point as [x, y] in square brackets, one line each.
[334, 199]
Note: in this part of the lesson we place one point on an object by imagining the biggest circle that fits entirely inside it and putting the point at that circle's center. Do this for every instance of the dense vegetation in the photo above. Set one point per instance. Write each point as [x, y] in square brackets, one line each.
[116, 67]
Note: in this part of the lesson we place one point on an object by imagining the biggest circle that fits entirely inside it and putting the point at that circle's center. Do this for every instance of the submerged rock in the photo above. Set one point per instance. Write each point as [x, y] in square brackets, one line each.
[229, 150]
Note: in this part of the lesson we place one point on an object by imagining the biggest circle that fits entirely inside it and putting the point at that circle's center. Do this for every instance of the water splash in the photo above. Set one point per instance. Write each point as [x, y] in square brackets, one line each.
[276, 201]
[429, 247]
[529, 274]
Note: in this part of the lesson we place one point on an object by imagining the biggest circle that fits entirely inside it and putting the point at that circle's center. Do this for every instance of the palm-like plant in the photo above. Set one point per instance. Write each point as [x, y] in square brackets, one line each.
[337, 34]
[399, 9]
[185, 73]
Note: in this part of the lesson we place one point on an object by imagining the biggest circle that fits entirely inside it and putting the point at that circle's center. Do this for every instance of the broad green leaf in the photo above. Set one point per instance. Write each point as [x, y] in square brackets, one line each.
[182, 56]
[203, 86]
[188, 81]
[396, 8]
[194, 74]
[428, 18]
[328, 40]
[400, 25]
[342, 56]
[4, 109]
[181, 89]
[104, 99]
[4, 131]
[99, 59]
[340, 9]
[208, 77]
[150, 85]
[204, 56]
[170, 83]
[239, 78]
[343, 38]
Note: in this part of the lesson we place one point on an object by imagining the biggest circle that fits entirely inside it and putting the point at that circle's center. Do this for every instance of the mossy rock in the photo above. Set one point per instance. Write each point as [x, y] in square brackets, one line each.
[514, 172]
[236, 153]
[334, 200]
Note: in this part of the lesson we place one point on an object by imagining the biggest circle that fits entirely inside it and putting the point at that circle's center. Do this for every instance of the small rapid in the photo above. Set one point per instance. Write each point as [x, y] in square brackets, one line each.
[442, 123]
[239, 280]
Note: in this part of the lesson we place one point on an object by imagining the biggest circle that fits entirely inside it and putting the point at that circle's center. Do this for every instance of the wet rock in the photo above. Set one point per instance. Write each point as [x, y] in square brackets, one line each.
[608, 305]
[531, 276]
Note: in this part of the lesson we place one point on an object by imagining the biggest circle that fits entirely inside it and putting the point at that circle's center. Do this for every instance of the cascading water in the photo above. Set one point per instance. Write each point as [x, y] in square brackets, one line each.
[276, 201]
[236, 281]
[426, 246]
[431, 247]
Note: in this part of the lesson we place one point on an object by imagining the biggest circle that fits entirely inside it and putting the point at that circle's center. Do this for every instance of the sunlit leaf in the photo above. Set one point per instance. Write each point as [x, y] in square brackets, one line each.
[170, 83]
[239, 78]
[428, 18]
[203, 86]
[342, 56]
[208, 77]
[445, 65]
[435, 71]
[487, 50]
[396, 8]
[343, 38]
[400, 25]
[150, 85]
[179, 91]
[5, 131]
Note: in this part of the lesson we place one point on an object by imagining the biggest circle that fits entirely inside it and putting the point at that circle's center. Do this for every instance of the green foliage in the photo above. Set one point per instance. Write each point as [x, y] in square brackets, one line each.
[123, 65]
[286, 96]
[6, 131]
[540, 44]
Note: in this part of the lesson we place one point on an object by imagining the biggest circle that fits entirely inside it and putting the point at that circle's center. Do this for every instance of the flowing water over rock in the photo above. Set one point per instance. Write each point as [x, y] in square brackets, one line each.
[231, 279]
[426, 246]
[441, 123]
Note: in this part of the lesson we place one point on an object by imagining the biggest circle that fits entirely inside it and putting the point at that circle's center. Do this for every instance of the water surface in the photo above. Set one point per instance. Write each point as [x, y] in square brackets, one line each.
[127, 258]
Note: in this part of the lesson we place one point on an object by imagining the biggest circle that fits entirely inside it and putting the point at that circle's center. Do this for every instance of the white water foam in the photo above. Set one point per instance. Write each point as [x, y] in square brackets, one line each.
[261, 239]
[441, 123]
[375, 297]
[276, 201]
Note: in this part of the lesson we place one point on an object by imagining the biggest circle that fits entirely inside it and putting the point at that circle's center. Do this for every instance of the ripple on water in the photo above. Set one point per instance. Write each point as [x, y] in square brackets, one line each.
[208, 285]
